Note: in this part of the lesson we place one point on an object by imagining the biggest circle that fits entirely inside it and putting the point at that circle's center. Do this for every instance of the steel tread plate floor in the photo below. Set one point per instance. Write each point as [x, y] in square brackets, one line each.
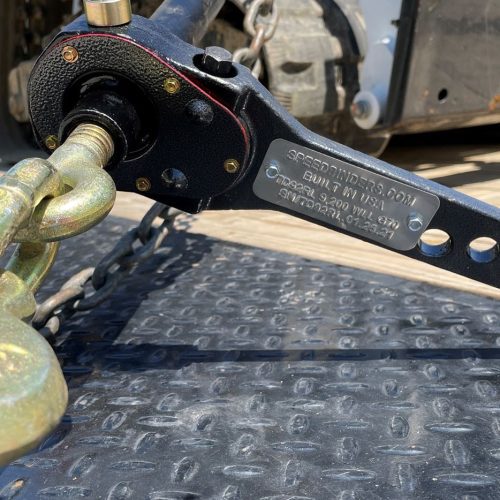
[220, 371]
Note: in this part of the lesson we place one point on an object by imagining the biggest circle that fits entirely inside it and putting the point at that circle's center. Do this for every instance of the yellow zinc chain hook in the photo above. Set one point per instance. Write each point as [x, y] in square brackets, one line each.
[79, 162]
[41, 202]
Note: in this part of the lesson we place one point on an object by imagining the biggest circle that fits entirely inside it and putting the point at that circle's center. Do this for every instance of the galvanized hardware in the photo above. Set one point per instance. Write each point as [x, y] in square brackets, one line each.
[93, 191]
[37, 208]
[70, 54]
[231, 166]
[107, 275]
[172, 85]
[32, 387]
[107, 13]
[143, 184]
[22, 189]
[253, 24]
[261, 21]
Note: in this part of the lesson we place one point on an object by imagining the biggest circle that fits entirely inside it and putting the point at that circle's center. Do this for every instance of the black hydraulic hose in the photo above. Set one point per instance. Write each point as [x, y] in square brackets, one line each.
[188, 19]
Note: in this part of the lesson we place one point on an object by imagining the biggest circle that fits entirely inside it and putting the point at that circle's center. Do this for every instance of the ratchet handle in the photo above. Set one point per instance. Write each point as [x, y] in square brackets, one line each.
[300, 173]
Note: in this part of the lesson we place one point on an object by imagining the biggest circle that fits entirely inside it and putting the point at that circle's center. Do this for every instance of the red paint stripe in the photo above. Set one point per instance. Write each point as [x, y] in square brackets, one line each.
[174, 70]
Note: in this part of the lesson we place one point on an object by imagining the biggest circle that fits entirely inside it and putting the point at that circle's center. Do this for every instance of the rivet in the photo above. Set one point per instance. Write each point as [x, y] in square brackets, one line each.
[172, 85]
[231, 166]
[143, 184]
[51, 142]
[273, 171]
[70, 54]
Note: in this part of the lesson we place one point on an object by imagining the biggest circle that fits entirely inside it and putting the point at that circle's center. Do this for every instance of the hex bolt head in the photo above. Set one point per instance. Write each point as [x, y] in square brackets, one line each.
[172, 85]
[231, 166]
[143, 184]
[415, 222]
[217, 61]
[51, 142]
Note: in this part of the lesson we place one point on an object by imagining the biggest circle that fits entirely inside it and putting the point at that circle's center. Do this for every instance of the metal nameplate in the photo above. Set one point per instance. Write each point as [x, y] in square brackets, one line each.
[344, 196]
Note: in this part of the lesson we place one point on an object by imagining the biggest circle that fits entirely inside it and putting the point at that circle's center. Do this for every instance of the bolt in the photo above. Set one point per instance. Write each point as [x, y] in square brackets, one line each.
[51, 142]
[272, 171]
[415, 222]
[217, 61]
[360, 109]
[231, 166]
[143, 184]
[172, 85]
[70, 54]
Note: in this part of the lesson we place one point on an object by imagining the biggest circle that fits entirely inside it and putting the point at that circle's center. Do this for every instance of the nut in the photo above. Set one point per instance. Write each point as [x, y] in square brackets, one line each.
[231, 166]
[70, 54]
[172, 85]
[217, 61]
[51, 142]
[143, 184]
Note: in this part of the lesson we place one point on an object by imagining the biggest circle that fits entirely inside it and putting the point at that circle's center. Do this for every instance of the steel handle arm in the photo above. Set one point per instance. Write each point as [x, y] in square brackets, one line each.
[311, 177]
[219, 140]
[188, 19]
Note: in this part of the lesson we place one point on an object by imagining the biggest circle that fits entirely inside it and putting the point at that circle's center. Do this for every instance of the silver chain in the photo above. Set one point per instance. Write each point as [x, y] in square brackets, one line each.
[261, 21]
[75, 295]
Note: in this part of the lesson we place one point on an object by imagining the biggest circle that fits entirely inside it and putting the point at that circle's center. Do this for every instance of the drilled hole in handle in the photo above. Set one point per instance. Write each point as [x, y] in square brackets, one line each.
[443, 95]
[483, 250]
[435, 243]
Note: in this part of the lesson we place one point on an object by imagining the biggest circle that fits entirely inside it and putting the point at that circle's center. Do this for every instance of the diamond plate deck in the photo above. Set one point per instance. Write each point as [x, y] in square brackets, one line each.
[219, 371]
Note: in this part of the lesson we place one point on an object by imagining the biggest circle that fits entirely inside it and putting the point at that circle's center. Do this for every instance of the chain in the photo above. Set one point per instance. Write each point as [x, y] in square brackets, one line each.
[41, 203]
[261, 21]
[134, 247]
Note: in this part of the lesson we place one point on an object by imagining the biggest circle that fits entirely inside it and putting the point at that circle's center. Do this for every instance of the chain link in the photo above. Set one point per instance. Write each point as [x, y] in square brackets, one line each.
[42, 202]
[261, 21]
[133, 248]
